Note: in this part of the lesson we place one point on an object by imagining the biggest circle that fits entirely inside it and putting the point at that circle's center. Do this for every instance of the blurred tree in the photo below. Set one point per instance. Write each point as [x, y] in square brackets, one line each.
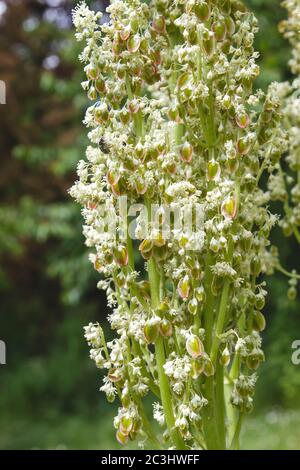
[45, 275]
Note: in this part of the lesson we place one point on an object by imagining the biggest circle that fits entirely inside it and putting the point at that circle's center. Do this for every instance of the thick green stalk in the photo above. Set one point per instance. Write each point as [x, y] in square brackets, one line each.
[160, 361]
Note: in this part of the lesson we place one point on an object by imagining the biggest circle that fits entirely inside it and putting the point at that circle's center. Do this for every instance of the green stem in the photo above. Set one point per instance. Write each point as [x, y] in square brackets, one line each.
[220, 321]
[235, 444]
[220, 401]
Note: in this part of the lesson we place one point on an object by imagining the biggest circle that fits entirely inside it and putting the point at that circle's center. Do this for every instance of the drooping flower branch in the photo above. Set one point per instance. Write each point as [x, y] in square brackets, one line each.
[174, 123]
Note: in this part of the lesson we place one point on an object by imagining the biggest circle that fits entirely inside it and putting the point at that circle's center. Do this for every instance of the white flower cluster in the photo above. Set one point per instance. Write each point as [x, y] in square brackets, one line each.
[174, 120]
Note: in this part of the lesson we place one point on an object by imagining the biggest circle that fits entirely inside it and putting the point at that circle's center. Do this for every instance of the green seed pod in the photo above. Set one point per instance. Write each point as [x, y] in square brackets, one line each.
[173, 114]
[209, 369]
[120, 279]
[252, 362]
[97, 264]
[202, 10]
[193, 306]
[242, 121]
[260, 301]
[194, 346]
[243, 146]
[125, 33]
[219, 28]
[146, 248]
[184, 81]
[133, 43]
[209, 45]
[226, 6]
[126, 424]
[166, 328]
[159, 25]
[232, 164]
[225, 357]
[160, 253]
[213, 170]
[114, 375]
[229, 207]
[112, 177]
[226, 46]
[163, 308]
[121, 255]
[184, 287]
[186, 152]
[100, 85]
[230, 26]
[197, 367]
[259, 321]
[200, 294]
[121, 438]
[134, 25]
[255, 266]
[151, 332]
[124, 116]
[92, 72]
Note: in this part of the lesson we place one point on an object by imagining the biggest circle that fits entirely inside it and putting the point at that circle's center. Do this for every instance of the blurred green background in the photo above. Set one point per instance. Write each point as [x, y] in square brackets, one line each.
[49, 387]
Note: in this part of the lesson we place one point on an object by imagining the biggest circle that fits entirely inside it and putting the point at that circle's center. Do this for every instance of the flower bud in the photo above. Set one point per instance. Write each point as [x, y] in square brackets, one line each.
[194, 346]
[193, 306]
[213, 170]
[229, 207]
[121, 438]
[184, 287]
[124, 116]
[166, 328]
[186, 152]
[151, 331]
[121, 255]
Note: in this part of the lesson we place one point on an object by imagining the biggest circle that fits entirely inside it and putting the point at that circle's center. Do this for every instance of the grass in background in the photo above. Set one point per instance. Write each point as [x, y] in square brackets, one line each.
[273, 430]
